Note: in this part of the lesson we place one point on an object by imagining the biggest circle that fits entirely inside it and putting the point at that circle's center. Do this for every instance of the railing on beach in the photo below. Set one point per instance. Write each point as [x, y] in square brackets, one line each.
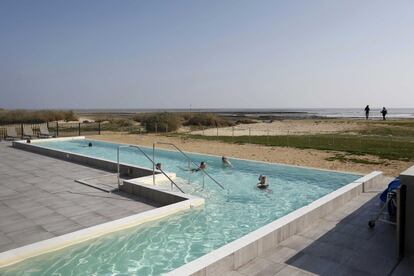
[57, 129]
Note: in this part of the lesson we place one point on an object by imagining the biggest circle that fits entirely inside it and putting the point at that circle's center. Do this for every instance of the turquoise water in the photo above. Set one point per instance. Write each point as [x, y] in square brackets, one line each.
[161, 246]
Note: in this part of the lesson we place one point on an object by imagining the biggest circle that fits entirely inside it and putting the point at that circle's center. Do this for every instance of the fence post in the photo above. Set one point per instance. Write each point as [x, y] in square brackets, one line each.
[156, 128]
[57, 129]
[287, 139]
[333, 140]
[232, 132]
[21, 129]
[250, 132]
[267, 136]
[217, 132]
[79, 131]
[203, 130]
[99, 128]
[166, 128]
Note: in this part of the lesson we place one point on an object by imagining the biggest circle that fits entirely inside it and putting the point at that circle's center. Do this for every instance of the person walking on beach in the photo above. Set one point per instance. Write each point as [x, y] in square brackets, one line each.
[367, 109]
[384, 113]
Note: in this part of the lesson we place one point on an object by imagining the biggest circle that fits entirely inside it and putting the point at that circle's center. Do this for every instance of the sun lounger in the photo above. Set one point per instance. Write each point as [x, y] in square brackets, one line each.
[44, 132]
[11, 133]
[28, 132]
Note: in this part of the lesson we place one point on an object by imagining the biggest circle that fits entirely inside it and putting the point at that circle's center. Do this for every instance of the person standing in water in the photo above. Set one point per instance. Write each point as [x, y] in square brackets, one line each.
[226, 162]
[262, 182]
[367, 109]
[384, 113]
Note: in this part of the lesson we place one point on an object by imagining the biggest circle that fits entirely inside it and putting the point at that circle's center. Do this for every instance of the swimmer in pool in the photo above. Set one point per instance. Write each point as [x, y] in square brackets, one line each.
[226, 162]
[203, 165]
[88, 145]
[158, 166]
[262, 182]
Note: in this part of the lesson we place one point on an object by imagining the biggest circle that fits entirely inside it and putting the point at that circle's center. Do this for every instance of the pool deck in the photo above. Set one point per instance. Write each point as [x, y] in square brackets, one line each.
[39, 198]
[338, 244]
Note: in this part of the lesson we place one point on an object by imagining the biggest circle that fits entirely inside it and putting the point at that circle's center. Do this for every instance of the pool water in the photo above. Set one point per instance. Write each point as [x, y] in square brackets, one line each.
[160, 246]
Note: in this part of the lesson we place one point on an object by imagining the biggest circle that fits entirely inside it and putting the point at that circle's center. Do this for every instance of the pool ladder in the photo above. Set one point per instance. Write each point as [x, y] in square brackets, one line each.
[153, 167]
[188, 159]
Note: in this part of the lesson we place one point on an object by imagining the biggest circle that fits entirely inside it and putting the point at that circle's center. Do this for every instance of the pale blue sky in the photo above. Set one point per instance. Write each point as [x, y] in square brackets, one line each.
[208, 54]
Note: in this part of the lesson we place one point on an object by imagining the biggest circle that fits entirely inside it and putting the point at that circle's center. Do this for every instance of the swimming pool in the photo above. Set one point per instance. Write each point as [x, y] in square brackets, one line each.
[161, 246]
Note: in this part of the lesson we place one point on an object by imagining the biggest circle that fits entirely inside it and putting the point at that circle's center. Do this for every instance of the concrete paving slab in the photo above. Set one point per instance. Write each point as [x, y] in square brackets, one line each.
[39, 198]
[260, 266]
[338, 244]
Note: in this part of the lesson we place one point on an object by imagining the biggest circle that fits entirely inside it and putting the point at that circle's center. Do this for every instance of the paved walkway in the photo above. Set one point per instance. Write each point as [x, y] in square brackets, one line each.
[39, 198]
[339, 244]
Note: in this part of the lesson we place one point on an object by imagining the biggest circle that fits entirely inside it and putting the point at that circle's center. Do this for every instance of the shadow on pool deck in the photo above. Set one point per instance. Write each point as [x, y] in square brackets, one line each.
[39, 198]
[338, 244]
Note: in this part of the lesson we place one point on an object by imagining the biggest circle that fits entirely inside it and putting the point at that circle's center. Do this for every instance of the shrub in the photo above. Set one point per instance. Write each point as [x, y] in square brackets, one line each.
[69, 116]
[138, 117]
[33, 117]
[162, 122]
[121, 122]
[246, 121]
[209, 120]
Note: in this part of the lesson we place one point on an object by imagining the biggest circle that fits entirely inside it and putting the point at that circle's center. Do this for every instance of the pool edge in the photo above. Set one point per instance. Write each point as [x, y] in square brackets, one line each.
[239, 252]
[25, 252]
[22, 253]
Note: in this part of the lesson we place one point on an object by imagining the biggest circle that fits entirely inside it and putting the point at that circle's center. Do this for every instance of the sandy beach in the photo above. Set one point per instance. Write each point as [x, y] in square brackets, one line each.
[284, 127]
[292, 156]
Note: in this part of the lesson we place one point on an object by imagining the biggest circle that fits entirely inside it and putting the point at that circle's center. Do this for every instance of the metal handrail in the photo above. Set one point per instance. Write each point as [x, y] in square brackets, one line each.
[153, 167]
[189, 159]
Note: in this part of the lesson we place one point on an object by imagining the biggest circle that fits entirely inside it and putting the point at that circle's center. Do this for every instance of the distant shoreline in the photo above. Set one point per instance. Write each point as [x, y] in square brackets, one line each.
[332, 113]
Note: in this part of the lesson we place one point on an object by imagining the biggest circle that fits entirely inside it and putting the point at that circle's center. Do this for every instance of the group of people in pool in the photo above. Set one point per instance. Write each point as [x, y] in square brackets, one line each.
[226, 163]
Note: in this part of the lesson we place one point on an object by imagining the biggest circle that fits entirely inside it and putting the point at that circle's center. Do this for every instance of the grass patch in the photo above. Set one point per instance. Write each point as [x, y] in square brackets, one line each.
[383, 147]
[343, 158]
[401, 128]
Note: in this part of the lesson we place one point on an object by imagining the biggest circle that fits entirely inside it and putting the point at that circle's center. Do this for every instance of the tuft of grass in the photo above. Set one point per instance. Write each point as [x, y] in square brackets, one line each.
[343, 158]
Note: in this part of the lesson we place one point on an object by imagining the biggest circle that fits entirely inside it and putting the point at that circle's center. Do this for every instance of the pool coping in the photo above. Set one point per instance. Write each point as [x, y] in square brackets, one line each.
[239, 252]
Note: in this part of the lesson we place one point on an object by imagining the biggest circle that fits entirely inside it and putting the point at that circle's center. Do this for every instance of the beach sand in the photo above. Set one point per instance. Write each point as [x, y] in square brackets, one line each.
[292, 156]
[285, 127]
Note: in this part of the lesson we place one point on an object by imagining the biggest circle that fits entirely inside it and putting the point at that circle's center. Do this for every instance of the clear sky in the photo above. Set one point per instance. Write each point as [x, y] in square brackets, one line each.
[207, 54]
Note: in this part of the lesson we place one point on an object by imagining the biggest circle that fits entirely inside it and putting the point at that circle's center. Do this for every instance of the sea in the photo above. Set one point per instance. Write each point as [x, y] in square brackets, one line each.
[394, 113]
